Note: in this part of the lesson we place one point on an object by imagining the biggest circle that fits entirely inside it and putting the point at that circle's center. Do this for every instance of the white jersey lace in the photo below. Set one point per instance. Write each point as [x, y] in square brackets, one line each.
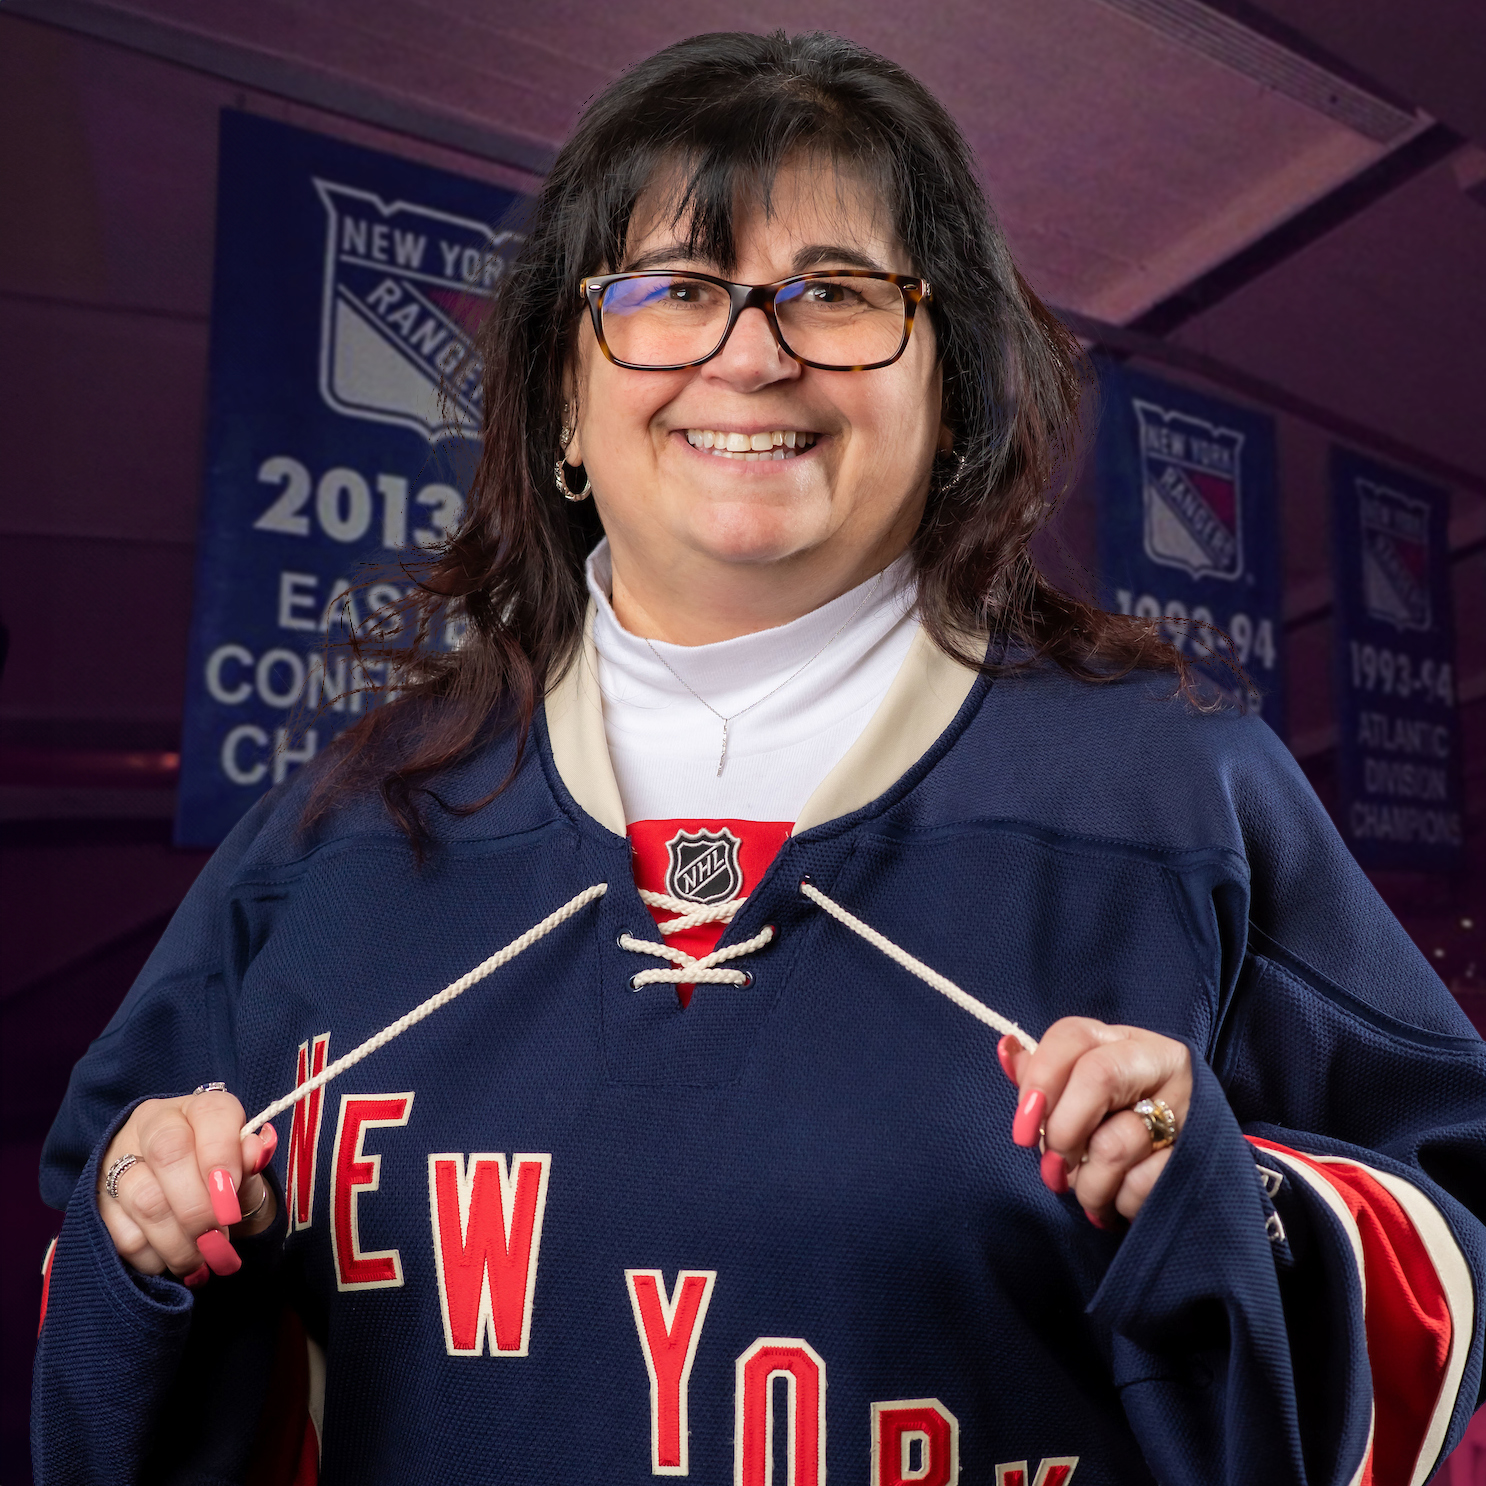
[687, 969]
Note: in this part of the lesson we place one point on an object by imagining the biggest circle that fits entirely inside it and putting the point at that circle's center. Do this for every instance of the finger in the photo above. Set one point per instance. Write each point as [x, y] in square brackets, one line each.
[257, 1205]
[142, 1200]
[1115, 1149]
[128, 1238]
[1009, 1052]
[1110, 1077]
[1043, 1074]
[258, 1149]
[215, 1120]
[169, 1142]
[1138, 1183]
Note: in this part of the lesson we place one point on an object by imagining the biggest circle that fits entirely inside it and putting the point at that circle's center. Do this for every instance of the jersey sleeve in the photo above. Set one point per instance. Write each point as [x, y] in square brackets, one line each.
[135, 1376]
[173, 1031]
[1338, 1135]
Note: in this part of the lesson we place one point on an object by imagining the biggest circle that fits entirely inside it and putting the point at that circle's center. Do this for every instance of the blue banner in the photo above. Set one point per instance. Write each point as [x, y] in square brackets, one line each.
[1189, 525]
[1398, 742]
[343, 402]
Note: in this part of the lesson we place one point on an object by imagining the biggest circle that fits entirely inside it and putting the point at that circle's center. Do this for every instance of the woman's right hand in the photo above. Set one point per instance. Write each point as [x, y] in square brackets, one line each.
[194, 1177]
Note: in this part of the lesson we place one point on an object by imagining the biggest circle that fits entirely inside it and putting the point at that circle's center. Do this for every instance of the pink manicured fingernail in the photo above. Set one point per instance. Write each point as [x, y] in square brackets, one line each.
[197, 1278]
[225, 1206]
[270, 1138]
[1054, 1173]
[1095, 1219]
[218, 1253]
[1006, 1051]
[1026, 1128]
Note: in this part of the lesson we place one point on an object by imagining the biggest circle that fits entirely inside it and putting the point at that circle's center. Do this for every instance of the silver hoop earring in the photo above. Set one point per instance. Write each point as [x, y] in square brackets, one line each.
[562, 482]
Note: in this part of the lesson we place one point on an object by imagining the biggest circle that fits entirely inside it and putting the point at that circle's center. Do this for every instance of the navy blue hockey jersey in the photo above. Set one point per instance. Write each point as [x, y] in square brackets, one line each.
[565, 1230]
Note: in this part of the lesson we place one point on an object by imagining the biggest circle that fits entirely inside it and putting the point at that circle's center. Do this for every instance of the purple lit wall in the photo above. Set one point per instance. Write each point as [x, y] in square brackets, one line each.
[1321, 260]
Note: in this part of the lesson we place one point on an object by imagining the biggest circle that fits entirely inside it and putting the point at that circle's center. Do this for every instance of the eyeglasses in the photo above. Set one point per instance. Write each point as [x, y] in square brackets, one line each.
[847, 319]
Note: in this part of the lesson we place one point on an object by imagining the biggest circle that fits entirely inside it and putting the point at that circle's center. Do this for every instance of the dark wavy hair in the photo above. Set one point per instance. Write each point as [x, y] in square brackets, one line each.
[725, 111]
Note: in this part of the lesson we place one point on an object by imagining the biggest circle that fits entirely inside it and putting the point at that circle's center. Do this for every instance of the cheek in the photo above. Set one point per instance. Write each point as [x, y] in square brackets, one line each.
[623, 404]
[895, 427]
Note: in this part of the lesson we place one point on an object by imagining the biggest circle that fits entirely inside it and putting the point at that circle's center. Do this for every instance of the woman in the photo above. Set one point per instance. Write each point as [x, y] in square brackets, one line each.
[575, 1225]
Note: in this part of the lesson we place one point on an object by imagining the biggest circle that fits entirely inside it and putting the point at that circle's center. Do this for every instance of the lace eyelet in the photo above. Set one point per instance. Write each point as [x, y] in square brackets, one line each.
[747, 980]
[632, 981]
[622, 936]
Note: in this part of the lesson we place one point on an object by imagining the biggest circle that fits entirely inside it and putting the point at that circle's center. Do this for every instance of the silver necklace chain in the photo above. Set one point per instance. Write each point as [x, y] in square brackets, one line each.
[722, 757]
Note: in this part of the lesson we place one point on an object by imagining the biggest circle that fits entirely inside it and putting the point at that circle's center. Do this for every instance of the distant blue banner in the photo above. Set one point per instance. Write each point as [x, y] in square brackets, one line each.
[1398, 753]
[1188, 522]
[347, 285]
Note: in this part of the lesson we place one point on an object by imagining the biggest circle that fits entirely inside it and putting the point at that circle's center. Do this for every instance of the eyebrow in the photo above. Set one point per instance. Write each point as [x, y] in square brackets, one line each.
[811, 256]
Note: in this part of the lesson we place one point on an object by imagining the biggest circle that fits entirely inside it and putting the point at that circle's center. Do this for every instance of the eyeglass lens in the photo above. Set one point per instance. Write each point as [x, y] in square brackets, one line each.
[665, 319]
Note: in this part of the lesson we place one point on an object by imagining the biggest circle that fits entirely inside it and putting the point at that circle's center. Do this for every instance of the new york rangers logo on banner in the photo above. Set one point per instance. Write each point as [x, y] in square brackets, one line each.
[703, 866]
[1395, 556]
[404, 288]
[1193, 494]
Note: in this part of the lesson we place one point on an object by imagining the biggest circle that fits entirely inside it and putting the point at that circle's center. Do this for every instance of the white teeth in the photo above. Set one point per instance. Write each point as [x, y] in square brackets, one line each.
[778, 443]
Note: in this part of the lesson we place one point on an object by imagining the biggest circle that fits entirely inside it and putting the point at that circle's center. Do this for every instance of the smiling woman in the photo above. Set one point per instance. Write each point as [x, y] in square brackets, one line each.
[786, 783]
[726, 218]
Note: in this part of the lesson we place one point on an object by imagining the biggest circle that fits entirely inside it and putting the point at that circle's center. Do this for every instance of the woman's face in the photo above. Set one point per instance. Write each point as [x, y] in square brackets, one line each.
[704, 546]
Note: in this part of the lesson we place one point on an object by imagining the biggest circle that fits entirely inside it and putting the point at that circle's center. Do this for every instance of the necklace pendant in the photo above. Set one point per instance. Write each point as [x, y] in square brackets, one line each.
[722, 757]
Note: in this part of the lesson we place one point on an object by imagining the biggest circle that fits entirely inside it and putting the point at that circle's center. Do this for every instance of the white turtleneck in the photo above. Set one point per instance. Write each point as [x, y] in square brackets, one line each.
[664, 744]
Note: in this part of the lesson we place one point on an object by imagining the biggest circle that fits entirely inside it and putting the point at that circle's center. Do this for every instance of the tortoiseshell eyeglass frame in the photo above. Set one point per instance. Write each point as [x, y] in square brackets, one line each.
[915, 291]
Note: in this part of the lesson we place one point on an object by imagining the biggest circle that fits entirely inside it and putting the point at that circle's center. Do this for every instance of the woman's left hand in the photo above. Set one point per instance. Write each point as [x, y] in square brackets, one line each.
[1077, 1090]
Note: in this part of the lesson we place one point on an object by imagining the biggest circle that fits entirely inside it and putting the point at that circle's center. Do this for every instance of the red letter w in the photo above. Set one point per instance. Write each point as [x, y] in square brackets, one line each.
[487, 1228]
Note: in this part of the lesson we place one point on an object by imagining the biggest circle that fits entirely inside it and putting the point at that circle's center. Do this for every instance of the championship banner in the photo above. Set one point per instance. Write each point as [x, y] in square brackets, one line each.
[1189, 525]
[1398, 740]
[344, 399]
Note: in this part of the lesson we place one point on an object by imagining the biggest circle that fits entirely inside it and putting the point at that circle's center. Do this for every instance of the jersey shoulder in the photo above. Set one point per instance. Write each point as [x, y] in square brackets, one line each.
[1131, 759]
[497, 790]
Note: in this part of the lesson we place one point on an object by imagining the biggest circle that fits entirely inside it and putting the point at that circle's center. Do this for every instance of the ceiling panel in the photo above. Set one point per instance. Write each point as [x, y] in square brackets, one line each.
[1383, 321]
[1123, 162]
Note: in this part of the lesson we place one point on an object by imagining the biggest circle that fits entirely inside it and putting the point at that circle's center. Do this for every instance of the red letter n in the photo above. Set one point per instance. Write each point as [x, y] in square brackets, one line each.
[304, 1135]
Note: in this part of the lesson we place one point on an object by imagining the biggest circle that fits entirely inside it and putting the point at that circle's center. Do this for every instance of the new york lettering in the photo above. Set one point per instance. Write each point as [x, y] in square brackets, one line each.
[485, 1218]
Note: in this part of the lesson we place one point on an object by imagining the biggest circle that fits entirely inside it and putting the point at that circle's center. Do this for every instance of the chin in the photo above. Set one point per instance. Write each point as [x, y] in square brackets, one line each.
[751, 535]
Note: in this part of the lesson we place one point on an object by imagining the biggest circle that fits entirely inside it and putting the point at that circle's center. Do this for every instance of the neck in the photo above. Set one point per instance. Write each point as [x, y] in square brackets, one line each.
[702, 601]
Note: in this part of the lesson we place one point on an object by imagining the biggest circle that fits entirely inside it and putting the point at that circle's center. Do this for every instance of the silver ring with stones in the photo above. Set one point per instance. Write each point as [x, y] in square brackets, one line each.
[119, 1167]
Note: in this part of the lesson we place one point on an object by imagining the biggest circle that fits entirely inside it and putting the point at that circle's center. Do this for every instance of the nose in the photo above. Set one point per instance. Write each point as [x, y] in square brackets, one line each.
[752, 357]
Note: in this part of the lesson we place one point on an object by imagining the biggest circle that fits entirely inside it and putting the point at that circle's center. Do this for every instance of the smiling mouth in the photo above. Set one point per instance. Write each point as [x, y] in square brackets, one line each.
[778, 443]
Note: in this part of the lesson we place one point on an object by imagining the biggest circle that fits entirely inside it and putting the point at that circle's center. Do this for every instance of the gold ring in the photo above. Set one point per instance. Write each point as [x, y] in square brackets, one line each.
[1159, 1120]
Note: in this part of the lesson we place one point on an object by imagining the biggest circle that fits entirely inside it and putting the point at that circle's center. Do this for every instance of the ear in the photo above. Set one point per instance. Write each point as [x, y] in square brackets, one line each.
[572, 451]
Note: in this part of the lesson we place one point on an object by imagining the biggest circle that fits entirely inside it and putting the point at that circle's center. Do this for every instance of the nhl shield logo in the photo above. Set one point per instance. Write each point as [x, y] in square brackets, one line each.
[1192, 493]
[1395, 556]
[703, 866]
[404, 289]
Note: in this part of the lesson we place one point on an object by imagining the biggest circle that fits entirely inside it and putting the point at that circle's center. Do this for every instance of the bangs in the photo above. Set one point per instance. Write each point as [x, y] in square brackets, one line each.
[721, 145]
